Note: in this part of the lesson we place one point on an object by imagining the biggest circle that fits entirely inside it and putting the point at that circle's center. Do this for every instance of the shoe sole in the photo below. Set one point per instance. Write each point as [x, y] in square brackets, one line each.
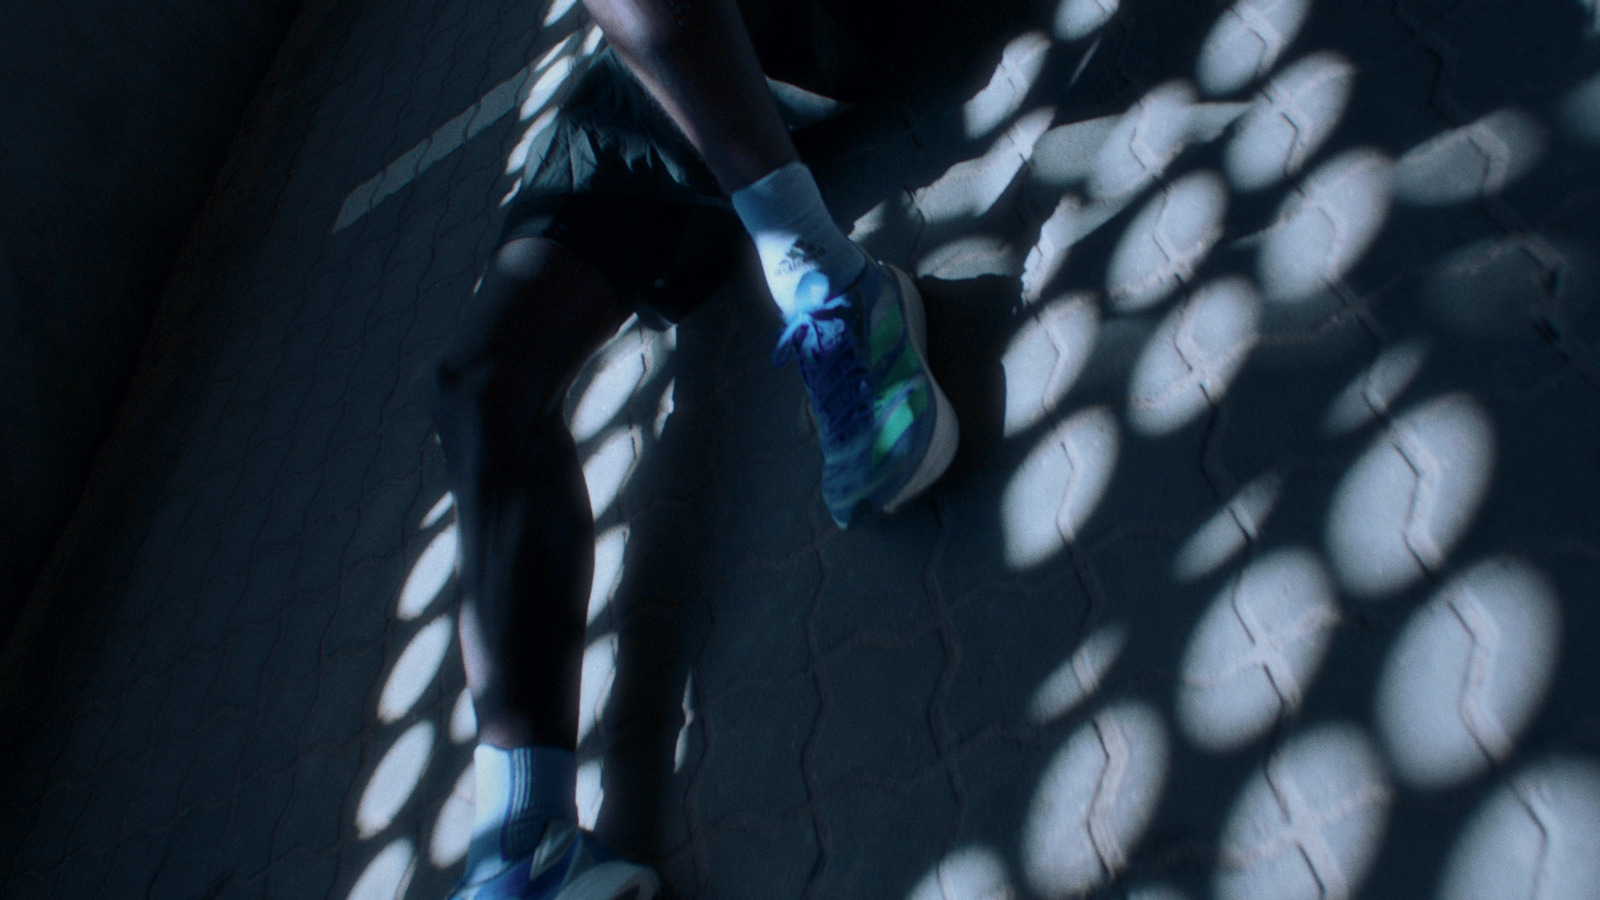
[615, 880]
[946, 432]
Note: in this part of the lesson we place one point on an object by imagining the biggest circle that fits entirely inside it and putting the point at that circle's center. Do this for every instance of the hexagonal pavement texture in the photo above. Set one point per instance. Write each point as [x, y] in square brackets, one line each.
[1267, 568]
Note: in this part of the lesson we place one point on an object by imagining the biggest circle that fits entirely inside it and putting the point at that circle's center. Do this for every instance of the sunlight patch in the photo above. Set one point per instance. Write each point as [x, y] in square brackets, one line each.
[415, 669]
[599, 674]
[1049, 252]
[1145, 140]
[394, 780]
[971, 873]
[438, 510]
[1324, 228]
[1058, 486]
[1193, 357]
[1468, 673]
[591, 793]
[1537, 836]
[1077, 19]
[452, 828]
[1230, 530]
[1401, 508]
[609, 550]
[1167, 241]
[463, 718]
[429, 575]
[1472, 161]
[1372, 394]
[1308, 825]
[1045, 359]
[1256, 650]
[1290, 121]
[384, 877]
[607, 470]
[971, 188]
[1079, 678]
[617, 373]
[1095, 801]
[1246, 42]
[1013, 78]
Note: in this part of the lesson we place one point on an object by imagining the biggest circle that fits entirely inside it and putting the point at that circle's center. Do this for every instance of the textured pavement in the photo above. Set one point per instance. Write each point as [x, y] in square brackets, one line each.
[1269, 566]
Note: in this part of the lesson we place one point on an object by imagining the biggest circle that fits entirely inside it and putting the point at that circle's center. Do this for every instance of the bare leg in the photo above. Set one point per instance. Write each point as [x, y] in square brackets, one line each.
[527, 534]
[695, 58]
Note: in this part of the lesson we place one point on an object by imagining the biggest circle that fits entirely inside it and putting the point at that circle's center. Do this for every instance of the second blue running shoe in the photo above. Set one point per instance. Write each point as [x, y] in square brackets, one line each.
[569, 864]
[887, 431]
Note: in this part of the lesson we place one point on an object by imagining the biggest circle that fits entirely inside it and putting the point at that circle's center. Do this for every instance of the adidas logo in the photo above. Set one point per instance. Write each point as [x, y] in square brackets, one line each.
[801, 255]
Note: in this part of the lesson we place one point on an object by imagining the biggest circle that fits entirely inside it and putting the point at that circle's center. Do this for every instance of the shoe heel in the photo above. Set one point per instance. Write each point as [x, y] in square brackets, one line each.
[946, 431]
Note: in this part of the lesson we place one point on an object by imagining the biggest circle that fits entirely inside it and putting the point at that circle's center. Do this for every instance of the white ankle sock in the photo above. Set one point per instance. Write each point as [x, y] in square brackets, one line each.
[794, 234]
[518, 792]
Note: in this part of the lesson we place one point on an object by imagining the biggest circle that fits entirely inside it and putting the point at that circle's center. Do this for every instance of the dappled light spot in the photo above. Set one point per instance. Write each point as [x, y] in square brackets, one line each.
[429, 574]
[1095, 801]
[971, 188]
[1049, 252]
[969, 256]
[463, 718]
[1246, 42]
[1079, 678]
[1498, 287]
[1323, 229]
[384, 877]
[1409, 498]
[452, 827]
[1291, 119]
[599, 674]
[1013, 78]
[394, 779]
[1155, 892]
[1045, 359]
[971, 873]
[1145, 140]
[1579, 112]
[1076, 19]
[1537, 836]
[680, 748]
[664, 408]
[558, 9]
[415, 669]
[1468, 162]
[1058, 486]
[617, 372]
[591, 793]
[1193, 356]
[608, 468]
[438, 510]
[1309, 824]
[1374, 391]
[552, 71]
[1468, 673]
[1229, 530]
[608, 554]
[1065, 155]
[1167, 241]
[1256, 650]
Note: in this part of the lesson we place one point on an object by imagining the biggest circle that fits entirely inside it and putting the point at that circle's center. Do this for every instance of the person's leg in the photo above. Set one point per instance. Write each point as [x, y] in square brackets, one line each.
[886, 429]
[526, 537]
[696, 60]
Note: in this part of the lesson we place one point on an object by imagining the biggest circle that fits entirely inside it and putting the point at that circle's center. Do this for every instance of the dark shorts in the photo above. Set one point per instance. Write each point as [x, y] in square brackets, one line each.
[613, 180]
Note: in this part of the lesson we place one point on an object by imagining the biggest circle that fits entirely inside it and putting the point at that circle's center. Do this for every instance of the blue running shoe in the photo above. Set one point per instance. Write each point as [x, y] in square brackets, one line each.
[569, 864]
[887, 431]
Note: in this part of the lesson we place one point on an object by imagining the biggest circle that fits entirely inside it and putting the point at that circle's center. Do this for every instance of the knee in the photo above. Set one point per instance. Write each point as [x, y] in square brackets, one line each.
[537, 316]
